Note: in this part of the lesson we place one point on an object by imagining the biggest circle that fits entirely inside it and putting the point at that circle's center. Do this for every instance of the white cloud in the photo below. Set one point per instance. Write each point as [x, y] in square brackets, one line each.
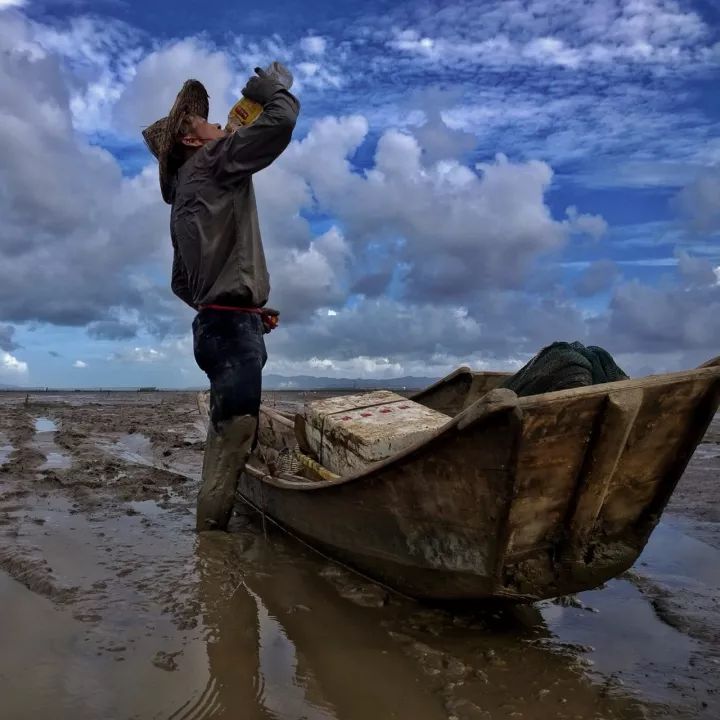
[566, 33]
[11, 4]
[699, 201]
[79, 364]
[159, 76]
[492, 219]
[313, 45]
[683, 316]
[72, 222]
[453, 244]
[592, 225]
[139, 355]
[10, 365]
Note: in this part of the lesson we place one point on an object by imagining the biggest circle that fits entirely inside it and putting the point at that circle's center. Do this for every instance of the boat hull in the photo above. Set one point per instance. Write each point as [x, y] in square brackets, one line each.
[515, 498]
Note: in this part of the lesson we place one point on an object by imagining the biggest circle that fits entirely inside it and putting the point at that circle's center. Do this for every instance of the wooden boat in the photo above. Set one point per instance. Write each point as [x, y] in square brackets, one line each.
[515, 498]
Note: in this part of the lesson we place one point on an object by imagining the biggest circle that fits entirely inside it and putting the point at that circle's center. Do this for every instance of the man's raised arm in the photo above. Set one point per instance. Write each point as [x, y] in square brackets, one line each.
[252, 148]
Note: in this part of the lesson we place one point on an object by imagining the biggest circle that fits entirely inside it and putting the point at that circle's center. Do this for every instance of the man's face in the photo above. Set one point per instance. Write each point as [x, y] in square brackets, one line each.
[202, 132]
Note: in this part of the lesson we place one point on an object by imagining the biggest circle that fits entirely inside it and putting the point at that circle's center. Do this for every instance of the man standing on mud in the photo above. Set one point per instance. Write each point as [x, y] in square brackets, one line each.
[219, 264]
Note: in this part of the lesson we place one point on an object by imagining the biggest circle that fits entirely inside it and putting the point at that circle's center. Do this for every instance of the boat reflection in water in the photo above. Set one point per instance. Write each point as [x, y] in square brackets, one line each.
[287, 635]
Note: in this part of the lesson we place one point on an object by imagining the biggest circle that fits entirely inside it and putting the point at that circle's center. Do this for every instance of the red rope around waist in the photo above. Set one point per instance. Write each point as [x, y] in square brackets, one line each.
[270, 318]
[253, 310]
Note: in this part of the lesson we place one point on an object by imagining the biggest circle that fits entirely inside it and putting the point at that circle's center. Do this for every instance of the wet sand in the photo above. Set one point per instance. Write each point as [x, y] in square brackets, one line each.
[112, 607]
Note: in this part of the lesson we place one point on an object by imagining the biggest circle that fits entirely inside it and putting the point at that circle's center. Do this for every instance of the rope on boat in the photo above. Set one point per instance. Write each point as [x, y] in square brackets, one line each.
[335, 561]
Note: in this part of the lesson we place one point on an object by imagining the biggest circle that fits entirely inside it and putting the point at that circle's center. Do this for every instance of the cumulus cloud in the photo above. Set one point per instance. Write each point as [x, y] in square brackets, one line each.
[498, 327]
[441, 142]
[10, 365]
[139, 355]
[699, 201]
[7, 342]
[308, 278]
[599, 276]
[74, 227]
[313, 44]
[438, 228]
[663, 319]
[451, 227]
[696, 271]
[111, 330]
[159, 76]
[390, 251]
[80, 364]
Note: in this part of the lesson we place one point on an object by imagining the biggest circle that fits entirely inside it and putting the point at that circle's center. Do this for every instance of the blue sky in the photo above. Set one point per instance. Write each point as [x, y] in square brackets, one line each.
[468, 181]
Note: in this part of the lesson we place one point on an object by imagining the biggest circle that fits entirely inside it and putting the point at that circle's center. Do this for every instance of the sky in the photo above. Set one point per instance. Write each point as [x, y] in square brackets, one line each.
[468, 182]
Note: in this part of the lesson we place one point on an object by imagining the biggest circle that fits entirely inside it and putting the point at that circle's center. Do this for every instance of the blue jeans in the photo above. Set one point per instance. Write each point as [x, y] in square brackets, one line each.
[230, 348]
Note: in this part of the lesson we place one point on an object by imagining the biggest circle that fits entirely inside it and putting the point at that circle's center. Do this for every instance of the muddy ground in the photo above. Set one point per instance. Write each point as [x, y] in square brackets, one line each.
[112, 607]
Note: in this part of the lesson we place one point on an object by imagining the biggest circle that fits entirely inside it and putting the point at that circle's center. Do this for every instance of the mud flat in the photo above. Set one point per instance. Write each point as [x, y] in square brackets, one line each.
[112, 607]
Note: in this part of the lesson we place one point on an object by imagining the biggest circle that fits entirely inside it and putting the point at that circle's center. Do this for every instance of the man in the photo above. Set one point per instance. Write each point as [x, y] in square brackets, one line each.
[219, 264]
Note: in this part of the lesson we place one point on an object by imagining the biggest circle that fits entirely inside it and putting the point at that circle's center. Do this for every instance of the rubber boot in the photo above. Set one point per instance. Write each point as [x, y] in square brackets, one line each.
[226, 452]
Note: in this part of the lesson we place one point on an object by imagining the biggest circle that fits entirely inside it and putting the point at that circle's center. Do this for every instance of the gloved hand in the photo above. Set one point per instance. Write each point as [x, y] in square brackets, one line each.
[261, 87]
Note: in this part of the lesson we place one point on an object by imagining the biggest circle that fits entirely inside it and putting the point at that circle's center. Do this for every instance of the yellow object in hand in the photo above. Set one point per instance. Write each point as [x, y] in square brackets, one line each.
[244, 112]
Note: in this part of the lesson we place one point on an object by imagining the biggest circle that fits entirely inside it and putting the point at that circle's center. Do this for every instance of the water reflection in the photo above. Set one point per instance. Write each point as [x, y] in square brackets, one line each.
[282, 644]
[281, 689]
[43, 424]
[284, 639]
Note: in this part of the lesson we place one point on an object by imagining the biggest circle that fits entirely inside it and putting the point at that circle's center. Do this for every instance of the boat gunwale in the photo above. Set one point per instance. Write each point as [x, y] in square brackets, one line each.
[474, 414]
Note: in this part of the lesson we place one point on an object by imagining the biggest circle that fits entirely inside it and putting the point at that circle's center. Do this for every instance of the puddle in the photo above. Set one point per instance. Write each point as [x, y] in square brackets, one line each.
[137, 448]
[56, 461]
[5, 449]
[145, 507]
[133, 448]
[650, 628]
[44, 441]
[43, 424]
[675, 557]
[624, 637]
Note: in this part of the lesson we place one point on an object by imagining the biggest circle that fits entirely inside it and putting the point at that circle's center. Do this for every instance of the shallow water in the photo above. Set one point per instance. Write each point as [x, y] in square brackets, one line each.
[6, 449]
[113, 607]
[44, 442]
[43, 424]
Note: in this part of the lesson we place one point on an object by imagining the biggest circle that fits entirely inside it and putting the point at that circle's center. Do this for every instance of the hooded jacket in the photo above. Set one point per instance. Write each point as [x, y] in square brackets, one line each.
[218, 256]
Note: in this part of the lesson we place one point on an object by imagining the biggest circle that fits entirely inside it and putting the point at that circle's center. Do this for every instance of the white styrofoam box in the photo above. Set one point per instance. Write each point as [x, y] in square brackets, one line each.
[350, 432]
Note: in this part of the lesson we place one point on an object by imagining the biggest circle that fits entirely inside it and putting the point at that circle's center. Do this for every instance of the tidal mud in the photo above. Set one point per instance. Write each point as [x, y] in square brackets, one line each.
[113, 607]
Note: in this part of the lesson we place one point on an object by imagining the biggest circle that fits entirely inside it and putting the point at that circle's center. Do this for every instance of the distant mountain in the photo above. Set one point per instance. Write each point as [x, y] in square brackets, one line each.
[308, 382]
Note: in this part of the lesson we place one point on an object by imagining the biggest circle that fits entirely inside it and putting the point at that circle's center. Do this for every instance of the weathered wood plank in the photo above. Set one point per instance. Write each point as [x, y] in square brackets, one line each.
[601, 461]
[656, 439]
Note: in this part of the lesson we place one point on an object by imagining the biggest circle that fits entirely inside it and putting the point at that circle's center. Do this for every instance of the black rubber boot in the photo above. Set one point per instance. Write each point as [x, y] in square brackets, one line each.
[226, 452]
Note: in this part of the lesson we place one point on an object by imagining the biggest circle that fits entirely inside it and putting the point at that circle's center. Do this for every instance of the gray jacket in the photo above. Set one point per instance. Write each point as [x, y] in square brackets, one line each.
[218, 253]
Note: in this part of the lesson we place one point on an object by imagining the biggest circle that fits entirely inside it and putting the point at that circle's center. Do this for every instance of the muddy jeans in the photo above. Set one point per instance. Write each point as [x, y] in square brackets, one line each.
[230, 348]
